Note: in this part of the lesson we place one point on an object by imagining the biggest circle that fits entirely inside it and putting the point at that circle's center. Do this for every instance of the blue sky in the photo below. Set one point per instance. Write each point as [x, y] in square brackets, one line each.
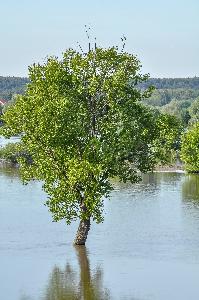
[163, 34]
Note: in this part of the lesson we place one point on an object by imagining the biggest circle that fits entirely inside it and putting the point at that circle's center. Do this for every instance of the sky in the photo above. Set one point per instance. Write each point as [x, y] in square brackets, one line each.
[163, 34]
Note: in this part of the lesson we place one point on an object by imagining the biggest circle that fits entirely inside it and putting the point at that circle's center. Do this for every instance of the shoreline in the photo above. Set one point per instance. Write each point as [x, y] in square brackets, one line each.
[170, 168]
[4, 163]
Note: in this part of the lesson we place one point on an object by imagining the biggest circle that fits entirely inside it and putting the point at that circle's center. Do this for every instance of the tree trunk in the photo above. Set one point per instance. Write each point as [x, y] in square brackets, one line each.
[82, 232]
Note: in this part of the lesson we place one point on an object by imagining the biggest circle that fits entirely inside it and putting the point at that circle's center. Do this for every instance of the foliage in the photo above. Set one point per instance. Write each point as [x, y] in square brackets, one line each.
[83, 122]
[180, 109]
[162, 97]
[9, 103]
[176, 102]
[10, 152]
[169, 137]
[190, 148]
[194, 111]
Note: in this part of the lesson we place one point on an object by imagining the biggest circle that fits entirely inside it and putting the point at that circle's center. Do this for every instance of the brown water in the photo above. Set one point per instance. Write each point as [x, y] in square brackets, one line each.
[147, 248]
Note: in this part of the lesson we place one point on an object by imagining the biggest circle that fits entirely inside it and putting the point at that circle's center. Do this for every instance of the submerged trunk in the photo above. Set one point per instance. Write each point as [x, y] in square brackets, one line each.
[83, 229]
[82, 232]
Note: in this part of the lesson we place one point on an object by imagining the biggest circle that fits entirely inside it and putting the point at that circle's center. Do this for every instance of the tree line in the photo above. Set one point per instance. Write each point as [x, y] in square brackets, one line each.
[167, 88]
[12, 85]
[172, 83]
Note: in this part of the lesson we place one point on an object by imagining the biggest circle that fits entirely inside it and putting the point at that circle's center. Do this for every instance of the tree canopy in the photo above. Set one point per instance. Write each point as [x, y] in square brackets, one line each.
[194, 111]
[190, 148]
[180, 109]
[83, 122]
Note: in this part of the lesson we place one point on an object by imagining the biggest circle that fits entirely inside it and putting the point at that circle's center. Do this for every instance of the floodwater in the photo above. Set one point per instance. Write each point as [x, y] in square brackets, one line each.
[146, 249]
[4, 141]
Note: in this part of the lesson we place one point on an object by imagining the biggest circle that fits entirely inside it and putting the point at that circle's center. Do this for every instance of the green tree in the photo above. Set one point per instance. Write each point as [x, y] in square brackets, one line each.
[179, 109]
[9, 103]
[190, 148]
[194, 111]
[83, 122]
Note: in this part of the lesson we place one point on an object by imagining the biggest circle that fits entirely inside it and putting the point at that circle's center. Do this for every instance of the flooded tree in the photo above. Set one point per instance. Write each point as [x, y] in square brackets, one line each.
[83, 122]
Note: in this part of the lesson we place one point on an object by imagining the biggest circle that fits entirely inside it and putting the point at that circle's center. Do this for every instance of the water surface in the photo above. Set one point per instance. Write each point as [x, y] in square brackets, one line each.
[4, 141]
[147, 247]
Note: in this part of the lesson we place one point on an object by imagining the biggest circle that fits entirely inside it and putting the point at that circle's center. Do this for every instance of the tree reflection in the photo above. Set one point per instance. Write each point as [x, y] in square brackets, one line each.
[10, 172]
[67, 284]
[26, 297]
[147, 180]
[190, 188]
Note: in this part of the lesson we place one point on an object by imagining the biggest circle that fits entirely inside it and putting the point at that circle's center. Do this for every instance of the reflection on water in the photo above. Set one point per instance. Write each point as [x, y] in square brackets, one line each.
[190, 188]
[150, 183]
[4, 141]
[9, 172]
[147, 247]
[67, 285]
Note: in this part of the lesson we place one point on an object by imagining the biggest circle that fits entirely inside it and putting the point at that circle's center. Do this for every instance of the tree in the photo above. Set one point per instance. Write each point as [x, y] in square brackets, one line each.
[190, 148]
[178, 108]
[82, 122]
[194, 111]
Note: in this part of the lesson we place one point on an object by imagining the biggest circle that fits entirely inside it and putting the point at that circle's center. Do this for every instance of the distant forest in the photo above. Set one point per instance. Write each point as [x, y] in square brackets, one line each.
[12, 85]
[173, 83]
[17, 85]
[176, 96]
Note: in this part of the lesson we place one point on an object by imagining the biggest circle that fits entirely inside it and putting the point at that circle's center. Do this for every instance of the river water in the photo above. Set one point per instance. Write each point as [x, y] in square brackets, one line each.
[146, 249]
[4, 141]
